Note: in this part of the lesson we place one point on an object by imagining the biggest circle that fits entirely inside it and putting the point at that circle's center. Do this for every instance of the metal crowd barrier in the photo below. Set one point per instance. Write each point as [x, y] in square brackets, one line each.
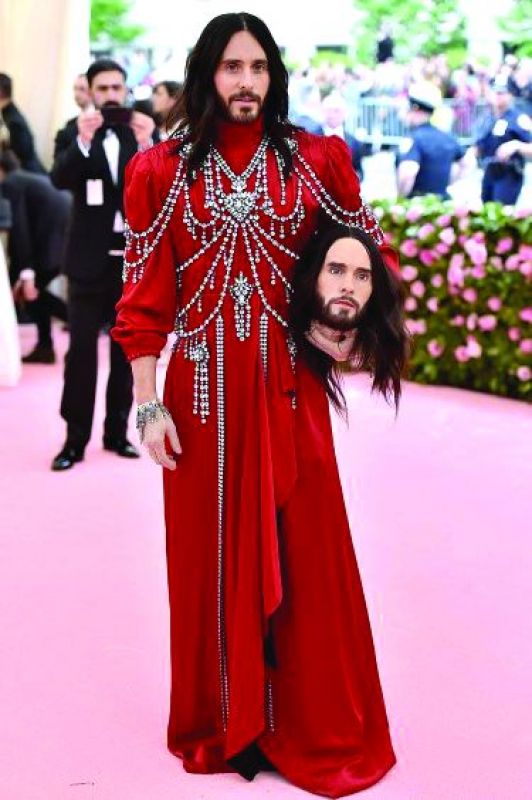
[378, 120]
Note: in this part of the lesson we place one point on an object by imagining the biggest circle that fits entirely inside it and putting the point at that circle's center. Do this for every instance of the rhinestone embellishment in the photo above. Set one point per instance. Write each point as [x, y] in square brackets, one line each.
[240, 204]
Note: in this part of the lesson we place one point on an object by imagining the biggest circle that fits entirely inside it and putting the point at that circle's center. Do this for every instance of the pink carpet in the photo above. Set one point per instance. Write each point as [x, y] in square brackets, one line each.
[438, 503]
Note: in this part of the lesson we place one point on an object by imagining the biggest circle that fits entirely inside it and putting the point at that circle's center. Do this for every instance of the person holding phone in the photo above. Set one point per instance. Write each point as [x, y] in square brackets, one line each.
[90, 159]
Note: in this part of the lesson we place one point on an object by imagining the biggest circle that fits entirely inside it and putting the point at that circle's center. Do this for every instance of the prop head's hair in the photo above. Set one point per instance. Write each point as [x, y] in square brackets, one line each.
[381, 341]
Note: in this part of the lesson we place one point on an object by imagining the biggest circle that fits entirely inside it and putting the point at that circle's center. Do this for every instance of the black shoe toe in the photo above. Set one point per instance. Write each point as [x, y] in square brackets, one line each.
[66, 458]
[121, 447]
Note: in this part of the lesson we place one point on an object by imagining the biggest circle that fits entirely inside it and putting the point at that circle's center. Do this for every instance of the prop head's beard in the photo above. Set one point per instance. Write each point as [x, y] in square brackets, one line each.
[343, 319]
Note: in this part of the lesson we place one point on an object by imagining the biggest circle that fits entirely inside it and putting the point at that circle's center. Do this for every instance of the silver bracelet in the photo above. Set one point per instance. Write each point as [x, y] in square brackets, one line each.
[148, 412]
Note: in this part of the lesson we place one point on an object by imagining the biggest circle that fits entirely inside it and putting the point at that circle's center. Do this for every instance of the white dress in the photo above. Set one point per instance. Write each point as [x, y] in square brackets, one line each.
[10, 364]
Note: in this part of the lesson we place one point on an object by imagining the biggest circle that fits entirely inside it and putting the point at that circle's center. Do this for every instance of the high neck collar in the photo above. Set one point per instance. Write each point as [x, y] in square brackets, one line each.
[237, 142]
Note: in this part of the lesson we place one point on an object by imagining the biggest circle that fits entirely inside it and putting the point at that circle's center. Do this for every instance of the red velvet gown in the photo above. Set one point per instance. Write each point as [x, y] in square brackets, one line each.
[270, 638]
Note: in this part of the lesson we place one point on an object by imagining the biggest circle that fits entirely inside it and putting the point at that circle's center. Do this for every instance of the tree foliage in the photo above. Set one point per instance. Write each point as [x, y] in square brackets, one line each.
[109, 23]
[517, 28]
[419, 27]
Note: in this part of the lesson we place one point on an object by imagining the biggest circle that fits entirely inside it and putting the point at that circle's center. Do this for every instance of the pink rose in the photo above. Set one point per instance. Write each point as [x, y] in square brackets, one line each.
[474, 350]
[457, 320]
[526, 314]
[514, 334]
[437, 280]
[471, 322]
[413, 214]
[512, 263]
[476, 251]
[426, 257]
[494, 304]
[444, 220]
[526, 268]
[525, 251]
[526, 346]
[504, 245]
[487, 322]
[409, 248]
[426, 230]
[523, 213]
[441, 248]
[410, 304]
[388, 237]
[478, 236]
[432, 304]
[417, 289]
[478, 271]
[448, 236]
[463, 224]
[434, 348]
[524, 373]
[461, 211]
[461, 354]
[416, 326]
[469, 295]
[496, 261]
[409, 272]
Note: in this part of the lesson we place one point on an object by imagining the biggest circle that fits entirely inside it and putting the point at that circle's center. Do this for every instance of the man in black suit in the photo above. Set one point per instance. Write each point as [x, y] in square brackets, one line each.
[20, 136]
[90, 162]
[334, 117]
[40, 214]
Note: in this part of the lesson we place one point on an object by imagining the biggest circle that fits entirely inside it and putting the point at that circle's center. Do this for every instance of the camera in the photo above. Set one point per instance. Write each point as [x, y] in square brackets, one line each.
[116, 115]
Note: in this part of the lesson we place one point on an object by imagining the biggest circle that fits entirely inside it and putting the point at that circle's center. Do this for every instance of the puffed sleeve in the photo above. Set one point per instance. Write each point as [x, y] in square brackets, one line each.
[147, 310]
[341, 180]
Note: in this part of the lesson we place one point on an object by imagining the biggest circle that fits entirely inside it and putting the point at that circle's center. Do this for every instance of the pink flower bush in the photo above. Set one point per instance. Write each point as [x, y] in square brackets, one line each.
[494, 304]
[434, 348]
[409, 248]
[432, 304]
[417, 289]
[478, 236]
[478, 272]
[471, 322]
[514, 334]
[470, 295]
[413, 214]
[512, 263]
[461, 211]
[526, 268]
[487, 322]
[437, 280]
[457, 321]
[461, 354]
[410, 304]
[526, 314]
[504, 245]
[441, 248]
[455, 273]
[474, 349]
[416, 326]
[448, 236]
[409, 272]
[444, 220]
[523, 373]
[525, 346]
[496, 261]
[525, 252]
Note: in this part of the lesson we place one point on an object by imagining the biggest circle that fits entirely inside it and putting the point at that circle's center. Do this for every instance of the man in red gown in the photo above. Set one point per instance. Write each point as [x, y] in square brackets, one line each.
[272, 654]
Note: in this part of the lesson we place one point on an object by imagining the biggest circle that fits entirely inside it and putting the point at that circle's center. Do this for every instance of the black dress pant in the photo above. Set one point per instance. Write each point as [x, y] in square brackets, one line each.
[90, 307]
[44, 308]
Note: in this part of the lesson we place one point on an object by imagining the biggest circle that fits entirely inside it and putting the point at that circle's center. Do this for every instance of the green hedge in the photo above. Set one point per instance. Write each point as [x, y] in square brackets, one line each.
[469, 306]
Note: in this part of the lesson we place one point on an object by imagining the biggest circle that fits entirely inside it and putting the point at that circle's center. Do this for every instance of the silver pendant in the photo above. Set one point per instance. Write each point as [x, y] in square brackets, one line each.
[199, 354]
[240, 204]
[241, 291]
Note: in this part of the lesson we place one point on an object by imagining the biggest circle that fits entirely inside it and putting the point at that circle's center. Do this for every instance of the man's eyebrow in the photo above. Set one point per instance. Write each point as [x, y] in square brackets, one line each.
[343, 266]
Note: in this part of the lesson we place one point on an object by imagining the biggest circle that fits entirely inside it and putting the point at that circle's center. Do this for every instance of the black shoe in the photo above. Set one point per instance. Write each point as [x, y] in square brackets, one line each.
[121, 447]
[66, 459]
[41, 354]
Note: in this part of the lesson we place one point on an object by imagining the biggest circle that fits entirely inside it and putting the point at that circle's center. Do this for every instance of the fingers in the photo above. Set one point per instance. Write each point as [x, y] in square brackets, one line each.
[173, 438]
[159, 455]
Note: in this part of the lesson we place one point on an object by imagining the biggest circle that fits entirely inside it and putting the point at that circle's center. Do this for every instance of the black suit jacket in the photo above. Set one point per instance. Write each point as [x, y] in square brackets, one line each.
[21, 139]
[91, 233]
[40, 214]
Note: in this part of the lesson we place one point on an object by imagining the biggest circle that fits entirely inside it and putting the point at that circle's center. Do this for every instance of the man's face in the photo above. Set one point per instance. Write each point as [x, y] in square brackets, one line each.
[162, 102]
[344, 284]
[108, 89]
[241, 79]
[334, 116]
[501, 101]
[81, 91]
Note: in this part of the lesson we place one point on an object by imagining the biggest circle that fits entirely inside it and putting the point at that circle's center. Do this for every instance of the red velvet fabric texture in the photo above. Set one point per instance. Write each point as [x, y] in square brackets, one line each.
[289, 563]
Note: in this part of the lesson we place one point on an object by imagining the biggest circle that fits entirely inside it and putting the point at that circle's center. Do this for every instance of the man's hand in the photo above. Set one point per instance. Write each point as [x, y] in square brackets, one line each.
[143, 127]
[25, 290]
[507, 149]
[88, 123]
[154, 441]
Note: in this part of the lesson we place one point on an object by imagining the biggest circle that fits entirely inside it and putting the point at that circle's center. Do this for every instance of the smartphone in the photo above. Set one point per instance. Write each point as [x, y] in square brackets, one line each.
[116, 115]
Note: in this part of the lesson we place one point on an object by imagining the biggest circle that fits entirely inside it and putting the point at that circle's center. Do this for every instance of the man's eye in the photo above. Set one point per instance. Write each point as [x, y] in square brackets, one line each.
[364, 276]
[261, 67]
[334, 270]
[231, 67]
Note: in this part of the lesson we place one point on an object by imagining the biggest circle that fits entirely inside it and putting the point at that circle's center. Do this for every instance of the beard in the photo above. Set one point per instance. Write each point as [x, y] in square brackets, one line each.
[341, 318]
[241, 114]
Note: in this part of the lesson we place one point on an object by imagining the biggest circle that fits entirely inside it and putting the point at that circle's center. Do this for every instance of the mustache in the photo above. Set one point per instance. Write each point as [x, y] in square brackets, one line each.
[244, 96]
[349, 300]
[111, 104]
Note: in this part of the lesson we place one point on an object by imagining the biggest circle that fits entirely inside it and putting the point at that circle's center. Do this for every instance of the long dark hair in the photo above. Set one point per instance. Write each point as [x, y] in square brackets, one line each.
[381, 340]
[197, 105]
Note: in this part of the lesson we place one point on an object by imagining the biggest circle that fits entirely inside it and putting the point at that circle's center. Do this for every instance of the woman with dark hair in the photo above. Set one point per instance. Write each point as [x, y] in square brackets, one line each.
[373, 337]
